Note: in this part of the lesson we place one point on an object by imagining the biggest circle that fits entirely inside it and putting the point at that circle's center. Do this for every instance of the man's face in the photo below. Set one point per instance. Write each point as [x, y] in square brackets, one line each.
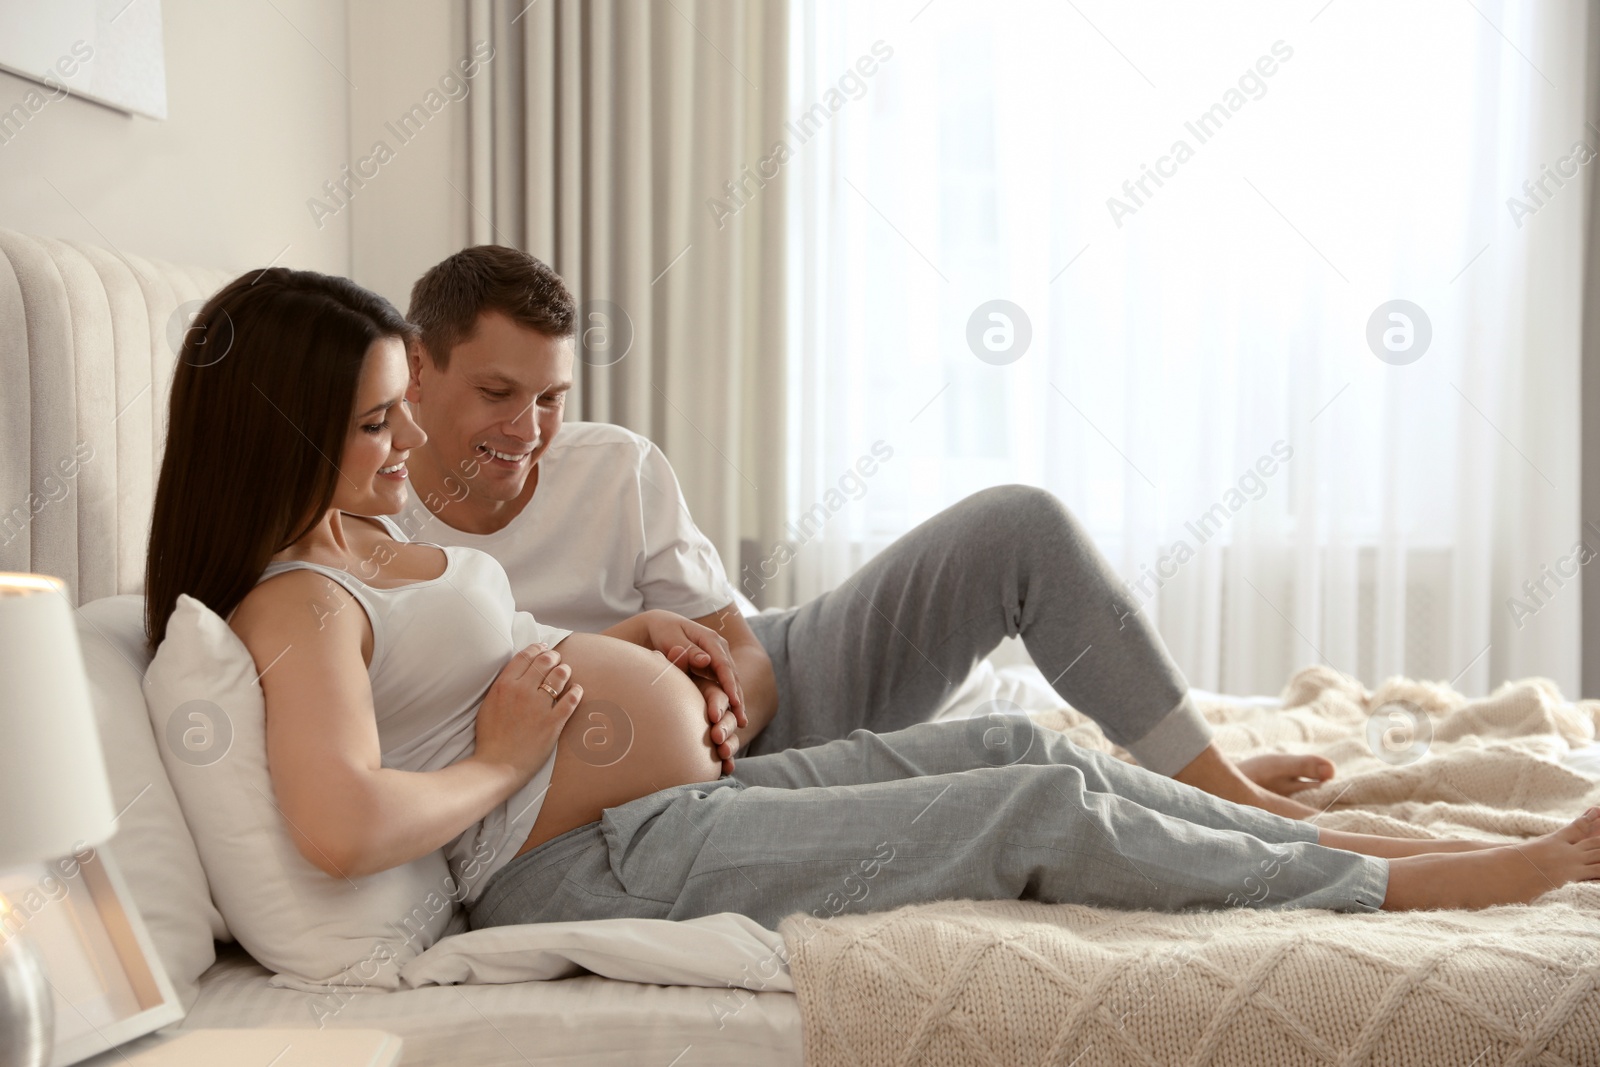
[492, 414]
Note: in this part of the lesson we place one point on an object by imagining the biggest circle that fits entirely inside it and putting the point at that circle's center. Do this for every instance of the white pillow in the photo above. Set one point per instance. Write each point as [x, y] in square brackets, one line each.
[207, 710]
[151, 842]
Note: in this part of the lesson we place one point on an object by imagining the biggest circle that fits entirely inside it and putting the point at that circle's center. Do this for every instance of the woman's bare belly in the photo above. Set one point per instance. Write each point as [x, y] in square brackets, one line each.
[641, 727]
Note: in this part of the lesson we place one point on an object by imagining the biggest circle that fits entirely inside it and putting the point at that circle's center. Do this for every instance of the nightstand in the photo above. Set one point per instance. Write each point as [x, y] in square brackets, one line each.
[255, 1048]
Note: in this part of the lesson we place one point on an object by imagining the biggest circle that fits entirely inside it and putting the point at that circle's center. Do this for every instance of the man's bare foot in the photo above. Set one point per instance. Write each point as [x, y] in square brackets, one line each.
[1510, 874]
[1213, 772]
[1284, 773]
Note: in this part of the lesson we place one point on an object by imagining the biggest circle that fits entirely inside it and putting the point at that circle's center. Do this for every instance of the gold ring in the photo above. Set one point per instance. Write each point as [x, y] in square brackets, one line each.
[554, 693]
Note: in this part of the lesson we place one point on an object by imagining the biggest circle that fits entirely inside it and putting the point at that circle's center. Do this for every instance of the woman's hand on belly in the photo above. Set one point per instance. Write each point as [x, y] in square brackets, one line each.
[640, 727]
[519, 722]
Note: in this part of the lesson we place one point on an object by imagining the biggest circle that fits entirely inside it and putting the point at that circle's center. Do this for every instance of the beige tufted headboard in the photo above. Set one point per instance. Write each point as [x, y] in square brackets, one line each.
[85, 366]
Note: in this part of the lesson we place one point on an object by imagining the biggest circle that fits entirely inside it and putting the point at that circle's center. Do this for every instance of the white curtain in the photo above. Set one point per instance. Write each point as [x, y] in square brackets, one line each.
[1199, 385]
[610, 132]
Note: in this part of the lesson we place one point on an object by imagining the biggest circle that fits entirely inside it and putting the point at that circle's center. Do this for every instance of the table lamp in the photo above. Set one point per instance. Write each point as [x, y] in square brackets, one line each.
[54, 795]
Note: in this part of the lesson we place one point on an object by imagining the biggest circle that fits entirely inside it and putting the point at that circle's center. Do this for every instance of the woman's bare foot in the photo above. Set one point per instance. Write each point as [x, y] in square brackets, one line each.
[1509, 874]
[1284, 773]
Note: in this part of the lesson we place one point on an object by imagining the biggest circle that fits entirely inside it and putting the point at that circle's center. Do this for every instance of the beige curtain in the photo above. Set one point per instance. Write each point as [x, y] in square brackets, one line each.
[1590, 418]
[604, 149]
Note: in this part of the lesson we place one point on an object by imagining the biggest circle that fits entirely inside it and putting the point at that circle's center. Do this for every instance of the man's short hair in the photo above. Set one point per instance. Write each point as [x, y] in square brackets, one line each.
[446, 301]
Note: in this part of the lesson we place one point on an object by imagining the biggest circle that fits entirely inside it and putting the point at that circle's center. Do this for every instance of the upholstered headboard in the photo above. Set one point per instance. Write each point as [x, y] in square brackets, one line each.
[85, 366]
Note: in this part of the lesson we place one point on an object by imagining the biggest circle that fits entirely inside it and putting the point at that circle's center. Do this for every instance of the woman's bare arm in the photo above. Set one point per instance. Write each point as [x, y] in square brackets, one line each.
[349, 815]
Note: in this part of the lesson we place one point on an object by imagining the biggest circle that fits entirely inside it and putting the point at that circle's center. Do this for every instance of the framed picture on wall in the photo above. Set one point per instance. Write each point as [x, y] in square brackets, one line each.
[107, 982]
[108, 51]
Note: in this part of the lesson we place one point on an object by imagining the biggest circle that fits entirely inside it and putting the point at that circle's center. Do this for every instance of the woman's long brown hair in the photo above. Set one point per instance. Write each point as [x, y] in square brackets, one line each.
[262, 396]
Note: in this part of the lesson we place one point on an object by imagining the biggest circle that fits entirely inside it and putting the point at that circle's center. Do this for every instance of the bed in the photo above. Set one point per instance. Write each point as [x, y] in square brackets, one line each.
[89, 339]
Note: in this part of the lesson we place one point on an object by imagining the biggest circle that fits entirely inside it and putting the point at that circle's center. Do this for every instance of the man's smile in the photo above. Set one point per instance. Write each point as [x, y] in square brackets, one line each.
[510, 458]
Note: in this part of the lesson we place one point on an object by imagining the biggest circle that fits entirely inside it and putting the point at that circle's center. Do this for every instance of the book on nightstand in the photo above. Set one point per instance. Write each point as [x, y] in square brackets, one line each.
[256, 1048]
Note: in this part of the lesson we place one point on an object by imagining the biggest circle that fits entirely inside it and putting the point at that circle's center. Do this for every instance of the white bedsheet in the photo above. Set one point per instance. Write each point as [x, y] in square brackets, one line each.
[587, 1020]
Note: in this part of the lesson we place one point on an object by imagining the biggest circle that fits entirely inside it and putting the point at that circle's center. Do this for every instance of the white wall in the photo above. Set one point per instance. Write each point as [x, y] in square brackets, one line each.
[266, 103]
[257, 121]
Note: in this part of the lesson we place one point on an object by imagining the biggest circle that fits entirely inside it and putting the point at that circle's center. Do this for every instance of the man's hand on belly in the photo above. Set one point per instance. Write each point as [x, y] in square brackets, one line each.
[722, 723]
[697, 650]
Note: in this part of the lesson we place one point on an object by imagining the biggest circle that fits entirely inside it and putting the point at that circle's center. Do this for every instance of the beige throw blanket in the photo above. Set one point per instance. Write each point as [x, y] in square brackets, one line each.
[1018, 983]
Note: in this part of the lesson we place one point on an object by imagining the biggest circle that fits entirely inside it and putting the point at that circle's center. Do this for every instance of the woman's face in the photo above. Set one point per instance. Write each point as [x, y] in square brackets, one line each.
[372, 471]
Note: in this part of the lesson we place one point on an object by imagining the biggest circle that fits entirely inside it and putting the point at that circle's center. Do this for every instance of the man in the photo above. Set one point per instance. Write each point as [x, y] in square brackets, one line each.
[592, 528]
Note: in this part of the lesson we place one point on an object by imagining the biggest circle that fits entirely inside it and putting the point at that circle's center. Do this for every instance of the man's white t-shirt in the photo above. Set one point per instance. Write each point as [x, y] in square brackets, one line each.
[606, 535]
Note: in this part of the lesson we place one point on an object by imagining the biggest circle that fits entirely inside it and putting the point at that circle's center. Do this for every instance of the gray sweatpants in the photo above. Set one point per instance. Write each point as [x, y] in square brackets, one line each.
[887, 647]
[872, 822]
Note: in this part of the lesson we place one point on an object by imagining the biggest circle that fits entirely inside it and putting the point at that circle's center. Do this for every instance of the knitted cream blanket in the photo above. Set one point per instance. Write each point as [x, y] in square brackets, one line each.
[1019, 983]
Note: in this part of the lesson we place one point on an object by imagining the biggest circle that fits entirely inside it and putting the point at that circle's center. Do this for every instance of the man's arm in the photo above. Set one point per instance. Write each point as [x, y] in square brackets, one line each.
[754, 670]
[739, 662]
[680, 562]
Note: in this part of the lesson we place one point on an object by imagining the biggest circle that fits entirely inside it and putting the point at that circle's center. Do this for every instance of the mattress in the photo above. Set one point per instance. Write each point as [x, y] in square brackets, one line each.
[589, 1019]
[586, 1020]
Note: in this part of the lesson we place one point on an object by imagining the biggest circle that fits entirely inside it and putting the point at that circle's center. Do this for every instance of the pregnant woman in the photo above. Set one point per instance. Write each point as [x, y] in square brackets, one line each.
[410, 707]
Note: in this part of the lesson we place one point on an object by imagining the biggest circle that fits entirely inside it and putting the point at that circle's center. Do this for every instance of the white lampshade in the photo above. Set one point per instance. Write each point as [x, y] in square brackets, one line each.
[54, 795]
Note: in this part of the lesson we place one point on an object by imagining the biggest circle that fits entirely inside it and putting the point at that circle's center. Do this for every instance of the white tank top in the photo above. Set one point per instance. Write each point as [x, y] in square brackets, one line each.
[437, 645]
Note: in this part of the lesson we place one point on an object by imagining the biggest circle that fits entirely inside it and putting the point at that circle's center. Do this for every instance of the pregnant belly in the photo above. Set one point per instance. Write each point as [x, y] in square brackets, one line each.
[641, 727]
